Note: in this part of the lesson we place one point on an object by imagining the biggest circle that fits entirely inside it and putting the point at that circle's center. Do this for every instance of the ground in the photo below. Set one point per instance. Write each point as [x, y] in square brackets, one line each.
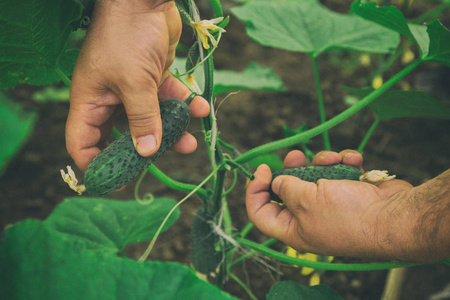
[413, 149]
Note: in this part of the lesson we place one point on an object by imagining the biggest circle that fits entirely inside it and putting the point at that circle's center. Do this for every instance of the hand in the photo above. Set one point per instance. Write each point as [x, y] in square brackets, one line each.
[124, 60]
[342, 217]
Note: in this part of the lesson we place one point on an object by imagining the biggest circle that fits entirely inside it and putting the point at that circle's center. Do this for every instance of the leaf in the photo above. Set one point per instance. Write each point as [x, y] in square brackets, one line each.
[271, 159]
[390, 17]
[288, 132]
[404, 104]
[254, 77]
[439, 51]
[33, 39]
[16, 125]
[52, 94]
[307, 26]
[37, 263]
[107, 225]
[291, 290]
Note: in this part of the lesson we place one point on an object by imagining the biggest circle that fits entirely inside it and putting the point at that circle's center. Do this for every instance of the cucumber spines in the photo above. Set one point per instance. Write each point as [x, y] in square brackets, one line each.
[119, 163]
[314, 173]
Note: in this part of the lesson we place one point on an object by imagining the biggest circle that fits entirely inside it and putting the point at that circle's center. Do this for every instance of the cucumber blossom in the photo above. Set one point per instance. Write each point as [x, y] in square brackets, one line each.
[314, 173]
[119, 163]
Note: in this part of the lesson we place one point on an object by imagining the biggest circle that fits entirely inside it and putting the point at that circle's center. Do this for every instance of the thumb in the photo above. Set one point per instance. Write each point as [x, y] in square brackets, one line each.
[144, 119]
[294, 192]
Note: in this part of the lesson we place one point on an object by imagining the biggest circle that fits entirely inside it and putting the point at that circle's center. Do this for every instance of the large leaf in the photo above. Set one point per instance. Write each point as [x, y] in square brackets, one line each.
[390, 17]
[15, 127]
[107, 225]
[38, 263]
[33, 39]
[404, 104]
[254, 77]
[307, 26]
[439, 51]
[290, 290]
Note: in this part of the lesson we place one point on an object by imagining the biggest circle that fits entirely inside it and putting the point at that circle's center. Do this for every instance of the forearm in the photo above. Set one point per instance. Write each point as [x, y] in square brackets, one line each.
[432, 230]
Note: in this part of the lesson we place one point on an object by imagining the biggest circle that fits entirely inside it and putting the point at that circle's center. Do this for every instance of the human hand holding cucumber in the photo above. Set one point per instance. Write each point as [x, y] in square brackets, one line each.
[124, 60]
[392, 221]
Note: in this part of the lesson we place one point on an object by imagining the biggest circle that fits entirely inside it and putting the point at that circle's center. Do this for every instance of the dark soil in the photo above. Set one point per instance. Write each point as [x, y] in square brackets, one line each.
[414, 149]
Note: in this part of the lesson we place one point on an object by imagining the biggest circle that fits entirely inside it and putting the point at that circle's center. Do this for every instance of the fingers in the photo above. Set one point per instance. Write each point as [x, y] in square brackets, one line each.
[290, 189]
[172, 88]
[347, 157]
[269, 217]
[294, 159]
[186, 144]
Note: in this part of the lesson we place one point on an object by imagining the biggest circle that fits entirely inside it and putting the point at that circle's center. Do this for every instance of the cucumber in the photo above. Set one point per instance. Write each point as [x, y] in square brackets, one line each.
[205, 257]
[313, 174]
[119, 163]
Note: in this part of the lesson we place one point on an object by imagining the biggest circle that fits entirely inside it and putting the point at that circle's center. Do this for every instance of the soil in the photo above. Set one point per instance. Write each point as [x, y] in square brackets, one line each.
[414, 149]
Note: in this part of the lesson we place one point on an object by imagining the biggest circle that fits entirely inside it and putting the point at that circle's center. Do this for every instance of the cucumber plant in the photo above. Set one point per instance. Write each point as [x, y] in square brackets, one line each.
[85, 236]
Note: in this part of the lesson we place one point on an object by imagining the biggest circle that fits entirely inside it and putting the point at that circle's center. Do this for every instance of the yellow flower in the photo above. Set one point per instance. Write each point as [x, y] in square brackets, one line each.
[202, 28]
[364, 59]
[407, 57]
[305, 271]
[192, 83]
[71, 179]
[377, 82]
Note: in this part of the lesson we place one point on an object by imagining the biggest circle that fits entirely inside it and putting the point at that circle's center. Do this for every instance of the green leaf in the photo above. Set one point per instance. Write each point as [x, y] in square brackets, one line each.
[107, 225]
[52, 94]
[38, 263]
[307, 26]
[290, 290]
[33, 39]
[271, 159]
[16, 125]
[439, 51]
[404, 104]
[390, 17]
[254, 77]
[446, 261]
[288, 132]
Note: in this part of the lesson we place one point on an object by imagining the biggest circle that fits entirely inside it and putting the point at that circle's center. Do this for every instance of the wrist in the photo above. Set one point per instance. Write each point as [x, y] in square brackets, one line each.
[416, 222]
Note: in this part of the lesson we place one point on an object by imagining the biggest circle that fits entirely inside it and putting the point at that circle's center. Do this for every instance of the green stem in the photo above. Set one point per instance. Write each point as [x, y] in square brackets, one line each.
[246, 229]
[369, 134]
[251, 253]
[145, 255]
[176, 185]
[320, 265]
[245, 287]
[217, 8]
[63, 76]
[323, 119]
[431, 14]
[287, 142]
[240, 168]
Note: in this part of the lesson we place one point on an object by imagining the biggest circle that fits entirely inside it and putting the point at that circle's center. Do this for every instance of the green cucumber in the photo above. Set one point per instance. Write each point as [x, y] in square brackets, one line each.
[314, 173]
[205, 257]
[119, 163]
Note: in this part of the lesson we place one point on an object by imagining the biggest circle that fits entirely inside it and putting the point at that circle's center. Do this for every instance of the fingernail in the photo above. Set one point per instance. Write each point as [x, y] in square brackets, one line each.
[145, 145]
[349, 154]
[324, 153]
[276, 185]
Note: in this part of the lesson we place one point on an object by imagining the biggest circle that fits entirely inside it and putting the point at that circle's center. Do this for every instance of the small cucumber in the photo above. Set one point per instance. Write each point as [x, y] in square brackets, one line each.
[119, 163]
[314, 173]
[205, 257]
